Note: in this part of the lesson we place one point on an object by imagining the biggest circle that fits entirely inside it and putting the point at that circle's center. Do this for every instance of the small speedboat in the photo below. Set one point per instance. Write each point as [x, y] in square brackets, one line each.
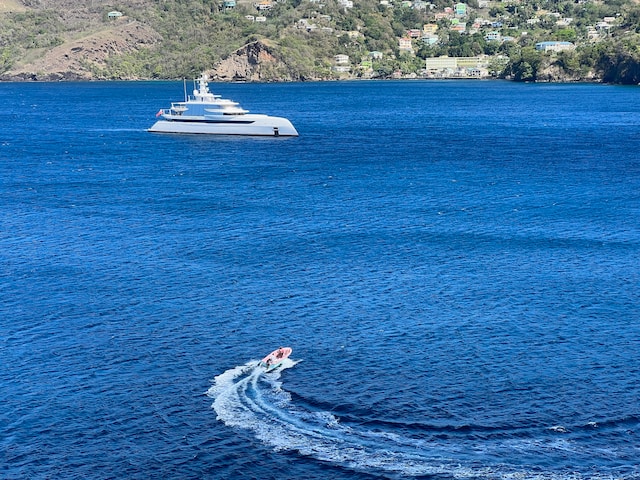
[206, 113]
[275, 358]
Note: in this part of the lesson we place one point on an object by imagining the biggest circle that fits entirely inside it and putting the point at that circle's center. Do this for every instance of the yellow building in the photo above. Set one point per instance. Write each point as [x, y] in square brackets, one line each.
[430, 28]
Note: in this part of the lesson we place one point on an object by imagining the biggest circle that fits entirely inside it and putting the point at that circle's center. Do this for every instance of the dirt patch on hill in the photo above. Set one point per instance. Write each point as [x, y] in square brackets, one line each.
[75, 60]
[11, 6]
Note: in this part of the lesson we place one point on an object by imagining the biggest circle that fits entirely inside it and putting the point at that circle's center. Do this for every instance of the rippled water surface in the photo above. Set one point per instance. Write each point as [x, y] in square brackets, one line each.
[455, 265]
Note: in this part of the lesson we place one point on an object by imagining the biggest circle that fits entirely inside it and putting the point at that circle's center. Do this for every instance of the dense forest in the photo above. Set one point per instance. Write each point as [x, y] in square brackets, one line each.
[308, 34]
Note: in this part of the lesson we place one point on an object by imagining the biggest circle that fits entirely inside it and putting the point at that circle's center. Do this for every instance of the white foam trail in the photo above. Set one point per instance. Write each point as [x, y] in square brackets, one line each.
[246, 397]
[226, 379]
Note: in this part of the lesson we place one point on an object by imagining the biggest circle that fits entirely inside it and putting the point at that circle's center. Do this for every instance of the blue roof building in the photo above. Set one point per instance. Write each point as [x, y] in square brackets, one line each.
[554, 46]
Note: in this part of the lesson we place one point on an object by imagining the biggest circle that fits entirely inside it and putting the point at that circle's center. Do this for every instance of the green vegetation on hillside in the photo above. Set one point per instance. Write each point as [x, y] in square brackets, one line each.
[196, 34]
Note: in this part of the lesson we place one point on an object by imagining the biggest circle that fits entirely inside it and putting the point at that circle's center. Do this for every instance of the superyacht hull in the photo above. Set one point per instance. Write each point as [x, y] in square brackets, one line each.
[250, 125]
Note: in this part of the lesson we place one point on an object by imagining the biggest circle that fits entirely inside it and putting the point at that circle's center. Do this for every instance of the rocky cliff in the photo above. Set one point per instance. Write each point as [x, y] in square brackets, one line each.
[255, 62]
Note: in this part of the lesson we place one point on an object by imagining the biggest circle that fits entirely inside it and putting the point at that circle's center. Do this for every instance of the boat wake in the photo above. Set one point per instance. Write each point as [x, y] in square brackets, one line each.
[248, 398]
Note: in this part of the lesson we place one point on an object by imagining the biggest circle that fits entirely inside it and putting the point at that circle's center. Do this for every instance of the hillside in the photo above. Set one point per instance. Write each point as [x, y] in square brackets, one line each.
[283, 40]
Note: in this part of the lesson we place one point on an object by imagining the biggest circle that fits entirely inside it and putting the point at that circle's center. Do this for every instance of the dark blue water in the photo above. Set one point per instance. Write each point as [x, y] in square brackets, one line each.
[455, 265]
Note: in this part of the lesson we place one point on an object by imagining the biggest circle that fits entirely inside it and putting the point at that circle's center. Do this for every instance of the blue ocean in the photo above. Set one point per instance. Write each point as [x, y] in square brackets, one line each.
[455, 264]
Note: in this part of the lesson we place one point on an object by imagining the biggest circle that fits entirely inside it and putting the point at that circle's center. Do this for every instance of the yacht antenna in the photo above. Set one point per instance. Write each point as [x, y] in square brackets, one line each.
[184, 85]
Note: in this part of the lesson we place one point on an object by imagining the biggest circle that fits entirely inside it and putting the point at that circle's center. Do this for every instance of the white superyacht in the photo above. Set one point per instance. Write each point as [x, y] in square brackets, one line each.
[206, 113]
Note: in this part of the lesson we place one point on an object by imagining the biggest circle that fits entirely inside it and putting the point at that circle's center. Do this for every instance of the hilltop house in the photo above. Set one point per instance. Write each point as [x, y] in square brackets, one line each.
[554, 46]
[430, 39]
[430, 28]
[404, 45]
[263, 5]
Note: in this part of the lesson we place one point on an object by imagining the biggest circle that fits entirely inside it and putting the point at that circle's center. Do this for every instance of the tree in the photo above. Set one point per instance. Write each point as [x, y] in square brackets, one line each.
[566, 35]
[569, 62]
[619, 66]
[524, 68]
[6, 59]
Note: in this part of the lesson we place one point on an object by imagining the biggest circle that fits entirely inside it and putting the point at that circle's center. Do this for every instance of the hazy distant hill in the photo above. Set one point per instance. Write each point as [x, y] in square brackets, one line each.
[266, 40]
